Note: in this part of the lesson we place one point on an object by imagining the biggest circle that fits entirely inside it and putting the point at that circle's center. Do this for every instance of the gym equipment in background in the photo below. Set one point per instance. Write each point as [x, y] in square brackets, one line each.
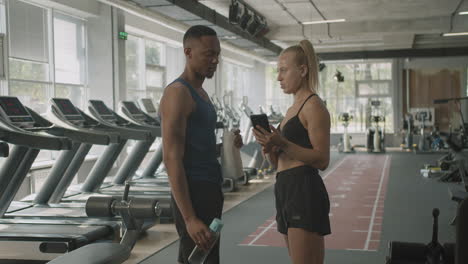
[423, 119]
[375, 134]
[419, 253]
[132, 211]
[408, 127]
[345, 140]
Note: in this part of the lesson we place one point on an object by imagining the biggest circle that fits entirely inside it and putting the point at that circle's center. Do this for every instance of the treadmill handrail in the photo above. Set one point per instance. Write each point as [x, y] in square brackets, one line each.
[74, 135]
[127, 133]
[149, 121]
[55, 116]
[35, 140]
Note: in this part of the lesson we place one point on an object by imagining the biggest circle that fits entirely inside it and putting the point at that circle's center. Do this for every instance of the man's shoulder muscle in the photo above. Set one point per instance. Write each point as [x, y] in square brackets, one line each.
[176, 94]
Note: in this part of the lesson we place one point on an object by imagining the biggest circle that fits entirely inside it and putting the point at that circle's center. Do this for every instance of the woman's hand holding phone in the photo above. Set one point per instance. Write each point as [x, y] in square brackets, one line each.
[268, 139]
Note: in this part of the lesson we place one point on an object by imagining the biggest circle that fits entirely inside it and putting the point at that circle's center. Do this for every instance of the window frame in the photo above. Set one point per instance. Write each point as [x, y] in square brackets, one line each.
[50, 84]
[358, 98]
[143, 66]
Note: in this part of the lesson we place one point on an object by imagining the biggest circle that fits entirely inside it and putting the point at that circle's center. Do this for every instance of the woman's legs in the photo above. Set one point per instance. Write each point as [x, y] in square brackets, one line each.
[287, 243]
[305, 247]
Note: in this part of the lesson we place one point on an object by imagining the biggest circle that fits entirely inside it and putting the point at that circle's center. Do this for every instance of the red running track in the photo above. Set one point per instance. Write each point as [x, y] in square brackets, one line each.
[356, 187]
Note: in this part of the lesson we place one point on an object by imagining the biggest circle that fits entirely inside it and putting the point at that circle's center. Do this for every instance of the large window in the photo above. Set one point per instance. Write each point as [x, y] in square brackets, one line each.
[362, 84]
[145, 68]
[235, 78]
[47, 57]
[43, 65]
[29, 62]
[274, 94]
[70, 54]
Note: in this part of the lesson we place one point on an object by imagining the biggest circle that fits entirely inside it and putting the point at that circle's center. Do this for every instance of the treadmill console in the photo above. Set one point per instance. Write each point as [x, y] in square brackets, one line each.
[13, 111]
[68, 110]
[133, 110]
[103, 111]
[148, 106]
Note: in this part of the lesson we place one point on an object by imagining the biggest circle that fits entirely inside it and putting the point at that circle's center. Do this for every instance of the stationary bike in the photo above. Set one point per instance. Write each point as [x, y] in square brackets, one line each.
[345, 140]
[376, 134]
[424, 140]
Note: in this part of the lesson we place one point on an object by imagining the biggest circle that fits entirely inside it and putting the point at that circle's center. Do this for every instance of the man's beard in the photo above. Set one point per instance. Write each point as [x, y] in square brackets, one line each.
[201, 76]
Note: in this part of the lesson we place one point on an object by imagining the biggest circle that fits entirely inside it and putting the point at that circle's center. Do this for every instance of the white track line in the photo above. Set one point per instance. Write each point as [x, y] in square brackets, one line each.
[323, 178]
[332, 170]
[261, 233]
[377, 197]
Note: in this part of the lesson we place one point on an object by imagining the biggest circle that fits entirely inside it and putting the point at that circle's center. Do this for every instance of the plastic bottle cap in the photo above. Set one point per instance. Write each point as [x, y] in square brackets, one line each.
[216, 225]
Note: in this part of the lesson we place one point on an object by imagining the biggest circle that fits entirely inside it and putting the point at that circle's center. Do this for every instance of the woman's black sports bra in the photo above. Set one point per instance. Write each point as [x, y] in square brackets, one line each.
[295, 132]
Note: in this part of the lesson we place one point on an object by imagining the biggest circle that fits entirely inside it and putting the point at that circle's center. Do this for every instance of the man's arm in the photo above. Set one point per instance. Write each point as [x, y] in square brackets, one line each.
[175, 109]
[219, 146]
[176, 106]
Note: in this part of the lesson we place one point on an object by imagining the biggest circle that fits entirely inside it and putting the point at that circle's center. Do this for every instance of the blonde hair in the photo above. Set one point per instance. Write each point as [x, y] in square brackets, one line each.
[305, 55]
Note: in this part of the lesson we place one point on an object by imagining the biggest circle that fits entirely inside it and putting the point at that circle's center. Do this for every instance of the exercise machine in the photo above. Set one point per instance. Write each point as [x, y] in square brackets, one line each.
[132, 211]
[375, 134]
[345, 140]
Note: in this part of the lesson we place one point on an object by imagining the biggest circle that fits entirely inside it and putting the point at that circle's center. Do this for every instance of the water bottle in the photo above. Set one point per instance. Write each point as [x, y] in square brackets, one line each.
[199, 255]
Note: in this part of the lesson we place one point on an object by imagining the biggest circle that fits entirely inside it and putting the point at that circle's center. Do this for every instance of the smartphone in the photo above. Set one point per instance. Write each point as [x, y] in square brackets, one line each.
[260, 120]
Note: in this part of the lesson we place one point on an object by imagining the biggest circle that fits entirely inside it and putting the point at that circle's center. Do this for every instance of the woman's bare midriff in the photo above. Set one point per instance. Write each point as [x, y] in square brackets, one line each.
[284, 163]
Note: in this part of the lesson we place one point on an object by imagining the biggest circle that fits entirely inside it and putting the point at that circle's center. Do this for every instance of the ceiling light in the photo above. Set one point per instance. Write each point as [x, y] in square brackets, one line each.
[228, 37]
[245, 18]
[257, 26]
[322, 66]
[324, 21]
[338, 76]
[455, 34]
[235, 10]
[463, 13]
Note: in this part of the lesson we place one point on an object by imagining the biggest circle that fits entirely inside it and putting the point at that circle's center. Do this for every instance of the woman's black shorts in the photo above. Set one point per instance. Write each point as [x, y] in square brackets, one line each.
[302, 201]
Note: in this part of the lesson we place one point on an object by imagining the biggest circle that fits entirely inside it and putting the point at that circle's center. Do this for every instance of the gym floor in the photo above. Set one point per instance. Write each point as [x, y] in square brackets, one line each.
[375, 198]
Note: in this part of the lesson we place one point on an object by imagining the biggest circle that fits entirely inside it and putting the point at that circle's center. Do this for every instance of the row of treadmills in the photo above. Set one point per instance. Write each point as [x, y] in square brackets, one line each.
[53, 221]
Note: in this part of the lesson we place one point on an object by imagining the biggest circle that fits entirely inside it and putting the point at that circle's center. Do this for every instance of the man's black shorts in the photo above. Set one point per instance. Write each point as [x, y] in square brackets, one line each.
[302, 201]
[207, 201]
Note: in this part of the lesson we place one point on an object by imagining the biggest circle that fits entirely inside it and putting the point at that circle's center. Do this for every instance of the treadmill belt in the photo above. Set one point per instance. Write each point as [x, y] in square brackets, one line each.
[15, 206]
[43, 230]
[51, 212]
[138, 188]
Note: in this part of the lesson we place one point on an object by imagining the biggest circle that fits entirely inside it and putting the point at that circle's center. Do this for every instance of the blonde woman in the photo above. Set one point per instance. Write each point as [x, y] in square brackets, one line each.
[299, 148]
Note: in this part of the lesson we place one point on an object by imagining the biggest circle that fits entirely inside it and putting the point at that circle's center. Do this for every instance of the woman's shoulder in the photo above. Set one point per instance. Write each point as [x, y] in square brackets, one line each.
[315, 104]
[314, 109]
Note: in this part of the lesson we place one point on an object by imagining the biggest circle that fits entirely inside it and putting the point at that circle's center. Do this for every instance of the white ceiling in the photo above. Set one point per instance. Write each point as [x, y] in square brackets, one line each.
[370, 24]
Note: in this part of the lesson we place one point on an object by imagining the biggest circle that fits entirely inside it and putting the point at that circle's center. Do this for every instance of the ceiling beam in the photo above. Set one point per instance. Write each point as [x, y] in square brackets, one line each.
[387, 54]
[434, 25]
[213, 17]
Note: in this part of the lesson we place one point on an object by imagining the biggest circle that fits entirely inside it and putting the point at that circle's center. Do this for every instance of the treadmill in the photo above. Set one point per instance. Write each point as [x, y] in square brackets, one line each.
[4, 148]
[95, 180]
[130, 111]
[147, 106]
[46, 203]
[103, 114]
[38, 239]
[93, 184]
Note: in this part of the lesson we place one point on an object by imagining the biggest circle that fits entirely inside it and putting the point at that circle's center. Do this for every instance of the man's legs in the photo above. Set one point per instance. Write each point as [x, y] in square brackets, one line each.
[207, 201]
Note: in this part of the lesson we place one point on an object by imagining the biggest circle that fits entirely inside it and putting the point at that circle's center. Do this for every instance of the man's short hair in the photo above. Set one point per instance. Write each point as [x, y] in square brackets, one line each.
[197, 32]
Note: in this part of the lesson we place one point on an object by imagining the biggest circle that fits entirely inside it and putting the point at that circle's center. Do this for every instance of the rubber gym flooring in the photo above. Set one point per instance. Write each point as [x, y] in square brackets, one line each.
[375, 198]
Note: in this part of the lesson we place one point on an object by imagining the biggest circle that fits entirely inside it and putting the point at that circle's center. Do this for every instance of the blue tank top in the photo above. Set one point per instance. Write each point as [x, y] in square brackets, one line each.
[200, 159]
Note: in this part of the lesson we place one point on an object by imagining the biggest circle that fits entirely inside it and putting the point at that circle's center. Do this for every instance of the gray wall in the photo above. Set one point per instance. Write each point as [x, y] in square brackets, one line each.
[100, 57]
